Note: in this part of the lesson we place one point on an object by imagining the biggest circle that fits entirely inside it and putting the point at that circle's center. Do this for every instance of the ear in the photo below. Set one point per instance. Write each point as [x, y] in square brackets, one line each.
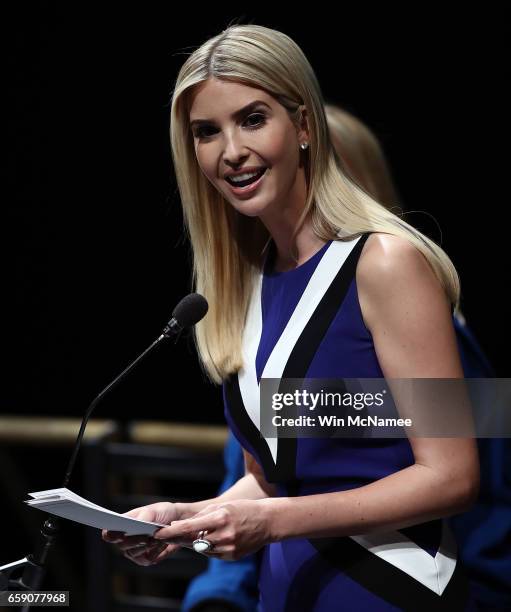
[303, 125]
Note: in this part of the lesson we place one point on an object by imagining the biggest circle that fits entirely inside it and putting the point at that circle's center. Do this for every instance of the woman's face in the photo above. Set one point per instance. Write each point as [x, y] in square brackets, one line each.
[243, 130]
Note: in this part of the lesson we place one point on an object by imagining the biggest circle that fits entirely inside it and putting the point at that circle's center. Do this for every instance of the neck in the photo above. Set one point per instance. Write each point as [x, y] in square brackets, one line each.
[281, 223]
[306, 242]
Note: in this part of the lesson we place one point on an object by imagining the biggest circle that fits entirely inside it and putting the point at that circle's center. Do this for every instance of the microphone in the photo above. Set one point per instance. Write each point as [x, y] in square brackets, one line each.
[189, 311]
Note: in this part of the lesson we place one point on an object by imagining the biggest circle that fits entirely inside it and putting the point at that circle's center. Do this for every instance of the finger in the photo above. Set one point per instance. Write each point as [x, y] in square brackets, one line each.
[147, 555]
[206, 510]
[143, 513]
[139, 559]
[135, 512]
[133, 542]
[112, 536]
[189, 528]
[140, 549]
[156, 555]
[217, 553]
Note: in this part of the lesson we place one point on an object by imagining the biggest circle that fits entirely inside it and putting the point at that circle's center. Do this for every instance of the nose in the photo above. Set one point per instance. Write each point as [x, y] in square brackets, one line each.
[235, 151]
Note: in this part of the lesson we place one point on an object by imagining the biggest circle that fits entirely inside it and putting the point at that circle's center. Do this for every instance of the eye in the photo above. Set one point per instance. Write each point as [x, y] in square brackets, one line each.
[202, 132]
[255, 121]
[257, 124]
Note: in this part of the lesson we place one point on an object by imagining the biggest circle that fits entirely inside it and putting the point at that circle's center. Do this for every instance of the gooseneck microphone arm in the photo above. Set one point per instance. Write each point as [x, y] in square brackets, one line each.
[189, 311]
[96, 401]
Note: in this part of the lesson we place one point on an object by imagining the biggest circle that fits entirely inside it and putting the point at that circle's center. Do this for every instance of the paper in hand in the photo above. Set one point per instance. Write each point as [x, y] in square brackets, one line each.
[66, 504]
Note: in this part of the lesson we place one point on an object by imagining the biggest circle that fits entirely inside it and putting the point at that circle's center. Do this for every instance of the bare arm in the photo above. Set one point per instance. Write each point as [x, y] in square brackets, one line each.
[409, 317]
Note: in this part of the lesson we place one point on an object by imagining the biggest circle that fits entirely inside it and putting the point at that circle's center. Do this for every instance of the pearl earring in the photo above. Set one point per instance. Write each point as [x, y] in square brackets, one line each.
[304, 146]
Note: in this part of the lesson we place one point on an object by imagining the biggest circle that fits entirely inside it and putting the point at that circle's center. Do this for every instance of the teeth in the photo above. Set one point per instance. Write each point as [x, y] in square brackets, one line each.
[243, 177]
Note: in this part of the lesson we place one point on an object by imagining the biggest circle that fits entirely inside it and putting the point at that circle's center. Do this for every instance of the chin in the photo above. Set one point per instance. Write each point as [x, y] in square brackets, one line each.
[253, 207]
[250, 210]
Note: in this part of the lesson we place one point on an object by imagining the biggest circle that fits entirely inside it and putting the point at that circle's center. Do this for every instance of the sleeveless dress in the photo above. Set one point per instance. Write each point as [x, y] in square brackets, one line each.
[307, 323]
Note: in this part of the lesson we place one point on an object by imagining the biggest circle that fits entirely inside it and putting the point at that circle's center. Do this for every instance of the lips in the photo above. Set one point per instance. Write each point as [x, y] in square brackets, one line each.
[250, 186]
[257, 173]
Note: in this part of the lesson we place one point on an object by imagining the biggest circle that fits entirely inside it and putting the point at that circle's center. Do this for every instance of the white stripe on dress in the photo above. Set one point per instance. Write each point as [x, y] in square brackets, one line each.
[325, 272]
[401, 552]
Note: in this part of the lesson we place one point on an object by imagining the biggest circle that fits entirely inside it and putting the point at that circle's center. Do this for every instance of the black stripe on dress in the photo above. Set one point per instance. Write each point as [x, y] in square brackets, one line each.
[245, 424]
[388, 582]
[305, 349]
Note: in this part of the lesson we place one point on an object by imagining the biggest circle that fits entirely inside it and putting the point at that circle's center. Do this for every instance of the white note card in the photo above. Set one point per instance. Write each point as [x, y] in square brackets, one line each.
[66, 504]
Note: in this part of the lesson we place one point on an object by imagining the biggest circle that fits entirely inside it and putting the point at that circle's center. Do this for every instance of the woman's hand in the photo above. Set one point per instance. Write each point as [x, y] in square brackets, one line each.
[145, 550]
[235, 528]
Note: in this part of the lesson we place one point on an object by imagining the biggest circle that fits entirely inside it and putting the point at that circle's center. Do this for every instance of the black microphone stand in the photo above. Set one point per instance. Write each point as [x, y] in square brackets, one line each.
[33, 564]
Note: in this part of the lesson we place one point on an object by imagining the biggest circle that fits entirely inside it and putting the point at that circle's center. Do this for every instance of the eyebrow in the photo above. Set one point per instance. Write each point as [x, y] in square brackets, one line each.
[236, 115]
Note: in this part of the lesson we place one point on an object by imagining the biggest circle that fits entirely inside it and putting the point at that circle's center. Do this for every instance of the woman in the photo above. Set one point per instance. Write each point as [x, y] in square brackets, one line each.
[347, 290]
[234, 584]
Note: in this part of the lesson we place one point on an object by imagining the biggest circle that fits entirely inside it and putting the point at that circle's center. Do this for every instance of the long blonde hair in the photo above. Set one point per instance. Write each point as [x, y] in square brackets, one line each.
[228, 247]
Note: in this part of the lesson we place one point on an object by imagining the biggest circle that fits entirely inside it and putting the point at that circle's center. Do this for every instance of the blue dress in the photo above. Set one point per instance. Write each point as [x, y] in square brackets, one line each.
[307, 323]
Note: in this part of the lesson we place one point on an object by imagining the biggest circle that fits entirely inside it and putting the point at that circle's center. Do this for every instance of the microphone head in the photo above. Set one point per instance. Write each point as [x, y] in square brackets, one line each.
[190, 310]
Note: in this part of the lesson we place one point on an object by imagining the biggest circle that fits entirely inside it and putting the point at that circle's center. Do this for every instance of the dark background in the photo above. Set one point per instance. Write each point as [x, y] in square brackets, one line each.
[96, 228]
[97, 260]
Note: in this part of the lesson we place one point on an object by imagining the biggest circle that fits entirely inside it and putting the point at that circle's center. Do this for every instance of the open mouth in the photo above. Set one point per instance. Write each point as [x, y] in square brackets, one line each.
[248, 181]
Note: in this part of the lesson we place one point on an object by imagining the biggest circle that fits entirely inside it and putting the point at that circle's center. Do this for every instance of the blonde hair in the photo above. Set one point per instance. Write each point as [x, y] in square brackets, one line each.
[362, 154]
[228, 247]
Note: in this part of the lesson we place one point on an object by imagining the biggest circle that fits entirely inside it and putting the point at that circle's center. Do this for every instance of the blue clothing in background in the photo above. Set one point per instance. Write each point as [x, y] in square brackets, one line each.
[484, 532]
[234, 582]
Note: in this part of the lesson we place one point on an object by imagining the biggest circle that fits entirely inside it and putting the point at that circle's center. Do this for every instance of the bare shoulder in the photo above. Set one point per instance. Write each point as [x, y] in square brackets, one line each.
[386, 253]
[392, 264]
[401, 298]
